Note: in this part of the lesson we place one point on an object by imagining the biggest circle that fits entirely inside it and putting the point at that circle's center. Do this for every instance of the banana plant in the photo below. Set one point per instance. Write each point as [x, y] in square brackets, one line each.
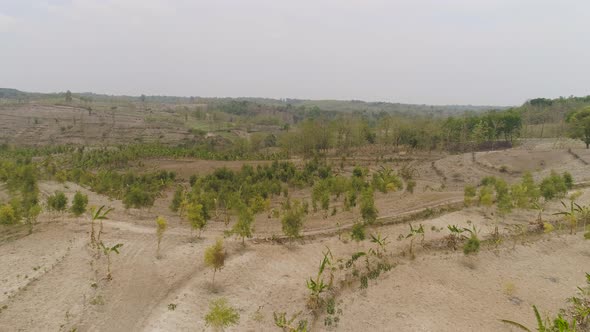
[413, 233]
[318, 285]
[570, 214]
[540, 207]
[381, 242]
[285, 324]
[559, 324]
[97, 215]
[107, 252]
[456, 235]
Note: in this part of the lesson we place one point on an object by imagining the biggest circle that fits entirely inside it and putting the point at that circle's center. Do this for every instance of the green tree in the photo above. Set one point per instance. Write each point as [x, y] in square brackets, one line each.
[221, 315]
[68, 96]
[79, 203]
[177, 200]
[579, 125]
[292, 221]
[196, 217]
[243, 227]
[215, 257]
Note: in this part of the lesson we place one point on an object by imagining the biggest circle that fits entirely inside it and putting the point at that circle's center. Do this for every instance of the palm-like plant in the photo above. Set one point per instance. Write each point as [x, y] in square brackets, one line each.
[456, 236]
[97, 215]
[570, 214]
[282, 322]
[318, 285]
[413, 233]
[107, 252]
[380, 241]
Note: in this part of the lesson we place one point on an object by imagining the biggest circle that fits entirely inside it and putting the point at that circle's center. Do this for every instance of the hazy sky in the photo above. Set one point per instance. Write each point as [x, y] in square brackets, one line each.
[499, 52]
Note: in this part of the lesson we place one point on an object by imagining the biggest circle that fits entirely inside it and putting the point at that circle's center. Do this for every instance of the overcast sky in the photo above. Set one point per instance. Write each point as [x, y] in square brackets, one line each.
[492, 52]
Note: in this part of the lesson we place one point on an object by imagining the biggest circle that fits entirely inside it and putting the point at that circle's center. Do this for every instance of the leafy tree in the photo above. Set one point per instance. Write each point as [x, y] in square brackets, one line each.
[68, 96]
[243, 227]
[292, 221]
[79, 203]
[196, 217]
[553, 186]
[177, 200]
[215, 257]
[161, 225]
[221, 315]
[137, 198]
[57, 202]
[30, 213]
[486, 196]
[579, 123]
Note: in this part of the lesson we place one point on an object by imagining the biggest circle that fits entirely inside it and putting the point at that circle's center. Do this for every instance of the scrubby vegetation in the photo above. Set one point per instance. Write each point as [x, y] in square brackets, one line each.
[221, 315]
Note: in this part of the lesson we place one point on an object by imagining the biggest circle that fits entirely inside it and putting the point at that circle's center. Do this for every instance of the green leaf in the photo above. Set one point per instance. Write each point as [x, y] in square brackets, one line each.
[515, 324]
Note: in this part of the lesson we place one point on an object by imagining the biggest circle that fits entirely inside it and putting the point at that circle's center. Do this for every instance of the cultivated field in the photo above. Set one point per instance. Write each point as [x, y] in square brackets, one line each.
[52, 280]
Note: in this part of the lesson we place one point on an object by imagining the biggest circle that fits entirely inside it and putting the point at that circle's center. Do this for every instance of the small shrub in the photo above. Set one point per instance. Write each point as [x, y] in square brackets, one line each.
[410, 185]
[221, 315]
[79, 203]
[7, 215]
[358, 232]
[136, 197]
[364, 282]
[57, 202]
[568, 180]
[472, 245]
[469, 193]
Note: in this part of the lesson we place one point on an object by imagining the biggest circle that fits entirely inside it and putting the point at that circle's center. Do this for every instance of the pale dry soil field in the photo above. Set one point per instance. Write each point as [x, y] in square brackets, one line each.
[52, 280]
